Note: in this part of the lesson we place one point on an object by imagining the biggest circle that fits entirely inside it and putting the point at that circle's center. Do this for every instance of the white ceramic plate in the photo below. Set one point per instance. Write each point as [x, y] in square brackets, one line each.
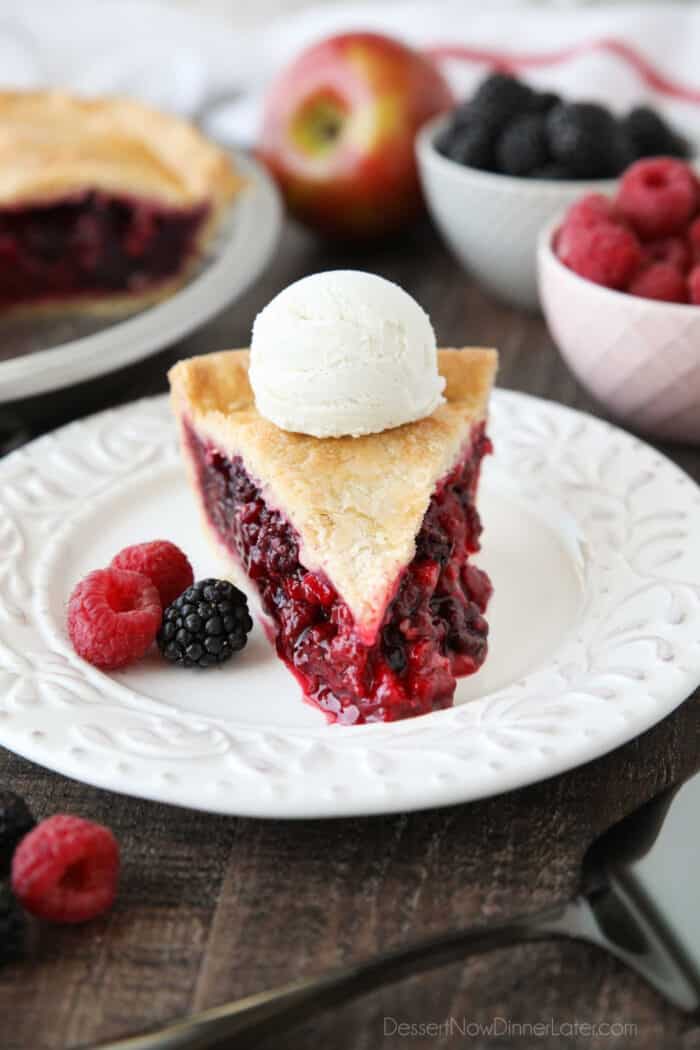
[40, 355]
[590, 539]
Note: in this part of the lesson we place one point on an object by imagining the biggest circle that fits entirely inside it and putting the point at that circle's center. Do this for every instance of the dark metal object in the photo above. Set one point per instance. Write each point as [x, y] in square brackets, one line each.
[620, 914]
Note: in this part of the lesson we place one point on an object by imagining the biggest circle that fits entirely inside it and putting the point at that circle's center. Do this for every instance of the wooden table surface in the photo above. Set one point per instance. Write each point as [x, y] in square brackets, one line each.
[212, 908]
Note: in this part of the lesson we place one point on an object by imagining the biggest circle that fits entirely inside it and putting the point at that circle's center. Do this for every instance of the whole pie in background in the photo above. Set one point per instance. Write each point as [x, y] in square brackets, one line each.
[105, 204]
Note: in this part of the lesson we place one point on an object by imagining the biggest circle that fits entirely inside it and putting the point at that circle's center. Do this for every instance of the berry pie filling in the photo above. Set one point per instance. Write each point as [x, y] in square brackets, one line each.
[433, 630]
[93, 243]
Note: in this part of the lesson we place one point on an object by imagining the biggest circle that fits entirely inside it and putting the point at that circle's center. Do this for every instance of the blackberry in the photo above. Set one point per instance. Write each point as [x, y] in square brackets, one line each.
[15, 822]
[543, 101]
[393, 644]
[12, 925]
[551, 170]
[499, 98]
[648, 135]
[470, 144]
[523, 145]
[206, 625]
[584, 137]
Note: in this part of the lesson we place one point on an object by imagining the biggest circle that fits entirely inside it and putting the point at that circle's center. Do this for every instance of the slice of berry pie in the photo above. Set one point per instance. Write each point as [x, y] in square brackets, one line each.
[104, 204]
[359, 548]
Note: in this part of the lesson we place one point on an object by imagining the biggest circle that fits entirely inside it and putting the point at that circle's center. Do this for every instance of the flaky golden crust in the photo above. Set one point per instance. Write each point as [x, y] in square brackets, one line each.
[357, 503]
[53, 144]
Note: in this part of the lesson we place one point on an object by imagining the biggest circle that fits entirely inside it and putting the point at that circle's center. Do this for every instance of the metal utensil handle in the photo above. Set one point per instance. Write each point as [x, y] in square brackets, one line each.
[297, 1000]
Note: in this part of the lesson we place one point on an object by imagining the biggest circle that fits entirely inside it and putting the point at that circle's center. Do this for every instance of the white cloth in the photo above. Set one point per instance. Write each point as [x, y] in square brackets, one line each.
[198, 65]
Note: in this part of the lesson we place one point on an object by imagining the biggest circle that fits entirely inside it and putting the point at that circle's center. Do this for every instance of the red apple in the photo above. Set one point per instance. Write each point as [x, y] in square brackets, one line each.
[338, 132]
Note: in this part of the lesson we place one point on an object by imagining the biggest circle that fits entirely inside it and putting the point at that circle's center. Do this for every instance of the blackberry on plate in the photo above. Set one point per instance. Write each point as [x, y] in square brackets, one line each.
[206, 625]
[15, 822]
[523, 145]
[500, 97]
[648, 135]
[12, 925]
[584, 137]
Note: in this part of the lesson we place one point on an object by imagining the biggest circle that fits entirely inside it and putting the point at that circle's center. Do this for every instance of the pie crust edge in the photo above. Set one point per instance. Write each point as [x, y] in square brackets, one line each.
[359, 526]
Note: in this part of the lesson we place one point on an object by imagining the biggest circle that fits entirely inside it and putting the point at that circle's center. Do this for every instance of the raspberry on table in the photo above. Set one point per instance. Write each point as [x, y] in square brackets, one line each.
[658, 196]
[660, 281]
[113, 617]
[66, 870]
[206, 625]
[15, 822]
[605, 253]
[694, 285]
[522, 147]
[162, 562]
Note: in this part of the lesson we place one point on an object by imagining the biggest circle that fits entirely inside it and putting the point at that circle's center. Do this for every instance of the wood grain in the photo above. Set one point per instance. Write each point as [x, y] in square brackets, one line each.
[212, 908]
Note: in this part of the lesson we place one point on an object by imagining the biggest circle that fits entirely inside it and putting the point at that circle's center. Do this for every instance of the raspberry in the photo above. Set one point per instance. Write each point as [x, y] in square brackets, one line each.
[162, 562]
[113, 616]
[694, 240]
[660, 281]
[522, 148]
[12, 926]
[66, 870]
[671, 250]
[15, 822]
[590, 210]
[658, 196]
[605, 253]
[694, 285]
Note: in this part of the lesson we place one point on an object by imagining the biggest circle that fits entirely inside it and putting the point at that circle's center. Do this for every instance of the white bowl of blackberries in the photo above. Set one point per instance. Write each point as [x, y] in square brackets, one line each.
[503, 163]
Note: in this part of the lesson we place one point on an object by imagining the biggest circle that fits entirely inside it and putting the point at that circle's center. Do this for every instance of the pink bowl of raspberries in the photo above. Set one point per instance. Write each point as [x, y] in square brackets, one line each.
[619, 282]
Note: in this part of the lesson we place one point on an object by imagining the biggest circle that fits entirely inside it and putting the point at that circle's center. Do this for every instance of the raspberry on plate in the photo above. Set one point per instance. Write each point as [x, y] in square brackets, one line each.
[162, 562]
[694, 285]
[660, 281]
[658, 196]
[66, 870]
[113, 617]
[605, 253]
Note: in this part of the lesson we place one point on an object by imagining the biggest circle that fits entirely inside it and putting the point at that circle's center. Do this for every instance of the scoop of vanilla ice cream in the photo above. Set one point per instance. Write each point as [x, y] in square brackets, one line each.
[344, 352]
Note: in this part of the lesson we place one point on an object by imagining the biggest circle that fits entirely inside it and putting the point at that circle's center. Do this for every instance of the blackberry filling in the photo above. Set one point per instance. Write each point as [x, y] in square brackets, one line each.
[433, 630]
[92, 244]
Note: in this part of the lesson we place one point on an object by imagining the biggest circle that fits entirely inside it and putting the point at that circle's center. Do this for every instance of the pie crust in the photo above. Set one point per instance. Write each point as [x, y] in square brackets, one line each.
[356, 503]
[54, 147]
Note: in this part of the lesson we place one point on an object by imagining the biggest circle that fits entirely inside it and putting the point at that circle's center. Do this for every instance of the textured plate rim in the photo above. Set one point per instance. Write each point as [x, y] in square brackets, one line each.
[245, 254]
[528, 731]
